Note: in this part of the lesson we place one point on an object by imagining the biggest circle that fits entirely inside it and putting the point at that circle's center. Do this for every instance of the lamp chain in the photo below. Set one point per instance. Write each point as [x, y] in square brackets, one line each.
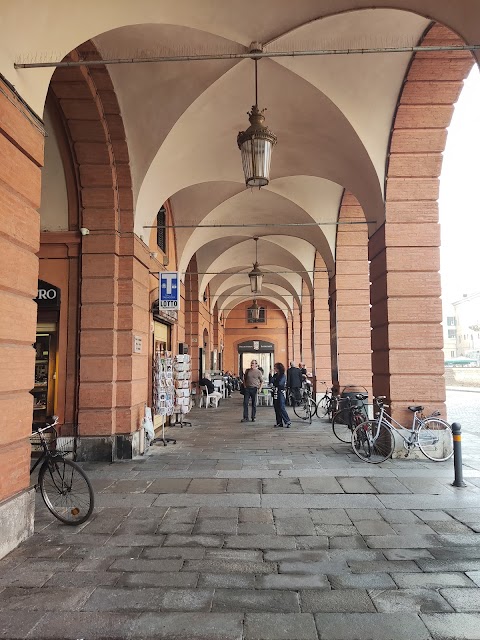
[256, 83]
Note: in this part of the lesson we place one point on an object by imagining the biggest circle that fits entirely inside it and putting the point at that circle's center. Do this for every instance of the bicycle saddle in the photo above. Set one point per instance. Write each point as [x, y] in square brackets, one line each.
[417, 408]
[361, 396]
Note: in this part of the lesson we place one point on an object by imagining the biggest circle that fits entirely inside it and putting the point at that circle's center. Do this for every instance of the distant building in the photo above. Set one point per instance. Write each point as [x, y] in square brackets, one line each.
[467, 326]
[449, 332]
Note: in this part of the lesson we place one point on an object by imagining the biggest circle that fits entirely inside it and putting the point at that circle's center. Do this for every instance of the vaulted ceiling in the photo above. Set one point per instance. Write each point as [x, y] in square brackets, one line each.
[332, 115]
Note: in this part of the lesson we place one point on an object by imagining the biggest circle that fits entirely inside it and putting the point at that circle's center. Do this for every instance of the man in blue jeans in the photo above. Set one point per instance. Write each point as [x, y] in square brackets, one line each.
[253, 382]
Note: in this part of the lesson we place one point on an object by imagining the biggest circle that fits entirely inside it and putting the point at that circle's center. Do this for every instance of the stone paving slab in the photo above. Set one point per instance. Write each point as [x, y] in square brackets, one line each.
[206, 540]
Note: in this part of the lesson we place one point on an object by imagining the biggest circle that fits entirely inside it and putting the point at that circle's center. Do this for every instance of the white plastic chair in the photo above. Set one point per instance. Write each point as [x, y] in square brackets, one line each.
[206, 398]
[220, 387]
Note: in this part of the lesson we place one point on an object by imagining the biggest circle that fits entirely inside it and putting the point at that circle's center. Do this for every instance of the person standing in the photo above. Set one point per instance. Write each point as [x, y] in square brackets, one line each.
[294, 382]
[279, 384]
[253, 382]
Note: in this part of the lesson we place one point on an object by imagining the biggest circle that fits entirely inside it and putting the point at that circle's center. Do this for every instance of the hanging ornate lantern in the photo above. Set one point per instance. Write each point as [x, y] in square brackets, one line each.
[256, 275]
[255, 310]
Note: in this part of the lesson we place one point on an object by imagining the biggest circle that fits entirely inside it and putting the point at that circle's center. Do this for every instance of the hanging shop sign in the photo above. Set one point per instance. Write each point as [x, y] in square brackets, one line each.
[256, 345]
[164, 315]
[169, 290]
[48, 296]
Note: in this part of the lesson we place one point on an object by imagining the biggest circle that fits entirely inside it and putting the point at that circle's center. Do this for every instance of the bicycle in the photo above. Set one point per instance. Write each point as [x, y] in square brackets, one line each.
[345, 420]
[373, 440]
[63, 484]
[328, 403]
[305, 408]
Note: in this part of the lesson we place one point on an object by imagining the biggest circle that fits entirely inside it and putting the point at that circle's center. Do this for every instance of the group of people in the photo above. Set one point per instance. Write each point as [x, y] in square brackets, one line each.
[229, 380]
[281, 382]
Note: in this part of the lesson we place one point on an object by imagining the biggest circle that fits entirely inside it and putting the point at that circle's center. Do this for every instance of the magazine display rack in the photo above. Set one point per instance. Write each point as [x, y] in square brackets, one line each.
[182, 375]
[163, 390]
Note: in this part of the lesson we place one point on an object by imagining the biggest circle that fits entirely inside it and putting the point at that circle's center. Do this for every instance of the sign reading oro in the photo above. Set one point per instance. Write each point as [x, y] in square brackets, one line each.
[169, 290]
[48, 295]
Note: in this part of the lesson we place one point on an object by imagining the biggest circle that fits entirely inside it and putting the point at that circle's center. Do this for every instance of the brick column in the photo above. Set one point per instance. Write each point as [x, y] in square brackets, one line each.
[306, 320]
[321, 327]
[21, 156]
[297, 334]
[289, 340]
[352, 288]
[406, 309]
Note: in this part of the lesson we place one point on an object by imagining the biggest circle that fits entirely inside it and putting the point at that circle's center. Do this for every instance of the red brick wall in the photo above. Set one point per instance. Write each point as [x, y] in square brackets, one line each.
[21, 156]
[405, 295]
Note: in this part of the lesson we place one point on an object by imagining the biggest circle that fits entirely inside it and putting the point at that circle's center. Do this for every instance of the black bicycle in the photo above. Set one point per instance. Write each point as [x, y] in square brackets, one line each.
[328, 403]
[346, 419]
[63, 484]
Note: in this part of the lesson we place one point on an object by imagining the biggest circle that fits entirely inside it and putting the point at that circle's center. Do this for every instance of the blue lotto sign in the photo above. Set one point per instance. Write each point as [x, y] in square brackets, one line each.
[169, 290]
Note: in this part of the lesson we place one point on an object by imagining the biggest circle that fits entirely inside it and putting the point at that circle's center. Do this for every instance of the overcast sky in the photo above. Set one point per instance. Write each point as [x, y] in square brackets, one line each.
[460, 196]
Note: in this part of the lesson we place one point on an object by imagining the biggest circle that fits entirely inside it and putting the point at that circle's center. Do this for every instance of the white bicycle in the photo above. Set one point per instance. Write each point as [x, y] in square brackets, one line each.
[373, 440]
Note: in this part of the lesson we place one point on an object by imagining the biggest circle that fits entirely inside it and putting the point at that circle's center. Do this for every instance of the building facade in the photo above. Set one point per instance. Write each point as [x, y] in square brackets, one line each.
[111, 173]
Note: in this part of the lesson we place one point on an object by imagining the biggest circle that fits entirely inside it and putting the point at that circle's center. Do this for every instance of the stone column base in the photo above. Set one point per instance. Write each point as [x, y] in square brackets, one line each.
[111, 448]
[399, 449]
[17, 516]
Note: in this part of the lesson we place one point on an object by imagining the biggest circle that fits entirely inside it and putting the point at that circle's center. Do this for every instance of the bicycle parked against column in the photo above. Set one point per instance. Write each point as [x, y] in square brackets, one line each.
[346, 419]
[63, 484]
[373, 440]
[328, 403]
[306, 407]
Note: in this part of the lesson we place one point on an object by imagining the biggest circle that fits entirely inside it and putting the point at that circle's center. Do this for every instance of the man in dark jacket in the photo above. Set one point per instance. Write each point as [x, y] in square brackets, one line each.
[294, 381]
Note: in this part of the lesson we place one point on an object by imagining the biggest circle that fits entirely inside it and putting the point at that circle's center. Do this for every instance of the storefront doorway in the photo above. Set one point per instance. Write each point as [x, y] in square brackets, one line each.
[261, 351]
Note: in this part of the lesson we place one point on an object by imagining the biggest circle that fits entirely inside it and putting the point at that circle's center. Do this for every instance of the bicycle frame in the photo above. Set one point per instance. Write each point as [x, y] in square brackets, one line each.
[391, 423]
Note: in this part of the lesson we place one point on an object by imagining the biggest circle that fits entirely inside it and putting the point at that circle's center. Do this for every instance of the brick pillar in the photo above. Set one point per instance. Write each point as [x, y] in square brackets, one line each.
[297, 334]
[21, 156]
[321, 327]
[306, 320]
[290, 339]
[406, 309]
[352, 288]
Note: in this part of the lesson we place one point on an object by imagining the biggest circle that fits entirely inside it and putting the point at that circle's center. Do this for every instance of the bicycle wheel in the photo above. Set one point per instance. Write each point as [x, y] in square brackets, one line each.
[324, 407]
[66, 490]
[341, 425]
[372, 443]
[303, 410]
[313, 407]
[435, 439]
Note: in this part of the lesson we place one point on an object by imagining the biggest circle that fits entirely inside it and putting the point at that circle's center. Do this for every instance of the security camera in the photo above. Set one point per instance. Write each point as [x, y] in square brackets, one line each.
[84, 231]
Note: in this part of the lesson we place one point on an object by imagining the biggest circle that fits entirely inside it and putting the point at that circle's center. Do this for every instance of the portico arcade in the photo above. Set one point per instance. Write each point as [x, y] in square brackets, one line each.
[356, 167]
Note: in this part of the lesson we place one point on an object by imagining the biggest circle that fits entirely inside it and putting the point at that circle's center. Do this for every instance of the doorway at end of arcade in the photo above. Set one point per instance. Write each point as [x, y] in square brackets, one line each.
[261, 351]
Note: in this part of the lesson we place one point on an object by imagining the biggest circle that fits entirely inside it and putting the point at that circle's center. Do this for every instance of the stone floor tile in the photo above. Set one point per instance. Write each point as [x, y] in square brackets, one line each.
[139, 564]
[176, 540]
[285, 514]
[15, 627]
[188, 599]
[347, 542]
[166, 527]
[329, 516]
[361, 581]
[461, 599]
[356, 485]
[465, 515]
[412, 529]
[370, 626]
[126, 540]
[474, 576]
[431, 580]
[295, 527]
[409, 600]
[287, 485]
[453, 626]
[211, 485]
[296, 556]
[129, 486]
[25, 577]
[255, 514]
[187, 626]
[288, 626]
[406, 554]
[156, 579]
[402, 542]
[429, 566]
[320, 485]
[244, 485]
[256, 528]
[292, 581]
[226, 580]
[218, 526]
[212, 565]
[213, 513]
[455, 553]
[185, 553]
[245, 555]
[335, 530]
[44, 599]
[436, 516]
[326, 566]
[383, 566]
[396, 516]
[374, 528]
[260, 542]
[460, 540]
[449, 526]
[336, 601]
[261, 600]
[186, 515]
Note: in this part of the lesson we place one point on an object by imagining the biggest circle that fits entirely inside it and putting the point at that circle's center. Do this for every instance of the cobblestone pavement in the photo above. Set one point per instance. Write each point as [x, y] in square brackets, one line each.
[242, 531]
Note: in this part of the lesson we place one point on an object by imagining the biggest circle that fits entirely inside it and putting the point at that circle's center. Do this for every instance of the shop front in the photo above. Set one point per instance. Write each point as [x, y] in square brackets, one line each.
[162, 325]
[46, 352]
[261, 351]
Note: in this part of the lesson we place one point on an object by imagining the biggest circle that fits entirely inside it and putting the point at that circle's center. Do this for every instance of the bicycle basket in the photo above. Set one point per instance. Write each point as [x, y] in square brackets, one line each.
[37, 440]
